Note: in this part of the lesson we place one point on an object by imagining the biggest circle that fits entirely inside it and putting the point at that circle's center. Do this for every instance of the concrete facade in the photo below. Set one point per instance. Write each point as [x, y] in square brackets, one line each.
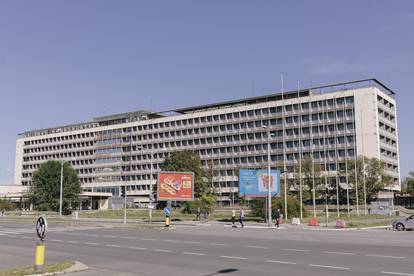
[125, 149]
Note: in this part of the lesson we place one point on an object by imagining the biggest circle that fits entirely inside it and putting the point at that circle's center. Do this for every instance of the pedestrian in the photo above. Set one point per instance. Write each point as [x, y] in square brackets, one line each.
[206, 215]
[198, 213]
[233, 217]
[242, 217]
[277, 217]
[2, 212]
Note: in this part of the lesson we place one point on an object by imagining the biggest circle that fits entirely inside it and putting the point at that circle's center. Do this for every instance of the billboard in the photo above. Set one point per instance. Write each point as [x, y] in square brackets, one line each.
[253, 183]
[175, 186]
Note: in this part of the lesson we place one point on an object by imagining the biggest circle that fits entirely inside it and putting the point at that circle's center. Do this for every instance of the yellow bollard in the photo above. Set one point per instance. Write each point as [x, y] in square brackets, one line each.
[167, 221]
[40, 256]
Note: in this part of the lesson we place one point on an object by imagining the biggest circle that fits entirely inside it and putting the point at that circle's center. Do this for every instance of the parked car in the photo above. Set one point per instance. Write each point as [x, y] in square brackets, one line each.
[404, 223]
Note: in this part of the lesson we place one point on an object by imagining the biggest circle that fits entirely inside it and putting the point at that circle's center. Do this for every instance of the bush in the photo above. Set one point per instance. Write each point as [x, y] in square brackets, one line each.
[206, 202]
[258, 207]
[7, 205]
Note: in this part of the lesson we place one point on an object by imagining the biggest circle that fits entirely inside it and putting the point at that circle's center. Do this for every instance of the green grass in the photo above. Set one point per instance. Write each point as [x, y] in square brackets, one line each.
[354, 221]
[157, 215]
[30, 270]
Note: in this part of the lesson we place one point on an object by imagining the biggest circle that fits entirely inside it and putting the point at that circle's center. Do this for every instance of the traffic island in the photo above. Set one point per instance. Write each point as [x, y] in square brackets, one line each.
[51, 269]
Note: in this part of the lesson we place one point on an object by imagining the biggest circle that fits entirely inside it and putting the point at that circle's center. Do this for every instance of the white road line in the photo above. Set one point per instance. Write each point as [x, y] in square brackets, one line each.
[280, 262]
[148, 239]
[137, 248]
[192, 242]
[193, 253]
[26, 238]
[129, 238]
[173, 241]
[220, 244]
[258, 247]
[396, 273]
[296, 250]
[338, 253]
[113, 245]
[56, 240]
[385, 256]
[92, 243]
[109, 236]
[328, 266]
[72, 242]
[233, 257]
[162, 250]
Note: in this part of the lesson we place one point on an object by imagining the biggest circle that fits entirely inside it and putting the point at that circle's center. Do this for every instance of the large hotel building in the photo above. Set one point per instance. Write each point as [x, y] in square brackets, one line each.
[332, 123]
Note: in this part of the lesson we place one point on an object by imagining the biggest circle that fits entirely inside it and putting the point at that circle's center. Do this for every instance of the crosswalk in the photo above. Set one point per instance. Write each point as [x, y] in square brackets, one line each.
[7, 231]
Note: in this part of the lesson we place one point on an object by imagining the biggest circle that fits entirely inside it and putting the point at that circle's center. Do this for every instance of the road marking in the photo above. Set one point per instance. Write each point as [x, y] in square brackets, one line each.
[233, 257]
[56, 240]
[296, 250]
[148, 239]
[26, 238]
[113, 245]
[328, 266]
[173, 241]
[258, 247]
[137, 248]
[109, 236]
[72, 242]
[192, 242]
[162, 250]
[280, 262]
[385, 256]
[338, 253]
[396, 273]
[220, 244]
[11, 236]
[92, 243]
[128, 238]
[193, 253]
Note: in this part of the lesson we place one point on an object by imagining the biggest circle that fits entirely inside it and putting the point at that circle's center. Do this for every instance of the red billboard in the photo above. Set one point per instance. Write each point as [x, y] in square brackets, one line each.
[175, 186]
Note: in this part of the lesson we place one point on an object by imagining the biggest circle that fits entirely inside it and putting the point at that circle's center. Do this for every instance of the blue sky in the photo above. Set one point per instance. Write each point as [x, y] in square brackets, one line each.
[63, 62]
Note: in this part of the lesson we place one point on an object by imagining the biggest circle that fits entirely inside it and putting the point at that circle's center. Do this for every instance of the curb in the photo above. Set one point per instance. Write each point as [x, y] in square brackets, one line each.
[376, 227]
[76, 267]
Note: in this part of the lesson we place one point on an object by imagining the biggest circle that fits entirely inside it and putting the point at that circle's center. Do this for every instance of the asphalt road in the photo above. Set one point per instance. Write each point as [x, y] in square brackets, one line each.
[214, 250]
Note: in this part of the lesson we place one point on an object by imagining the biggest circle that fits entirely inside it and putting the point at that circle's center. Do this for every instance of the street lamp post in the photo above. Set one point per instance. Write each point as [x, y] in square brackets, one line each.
[62, 163]
[269, 194]
[151, 194]
[61, 187]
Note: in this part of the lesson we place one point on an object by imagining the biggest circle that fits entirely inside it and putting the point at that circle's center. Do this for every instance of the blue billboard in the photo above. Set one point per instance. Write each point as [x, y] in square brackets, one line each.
[253, 183]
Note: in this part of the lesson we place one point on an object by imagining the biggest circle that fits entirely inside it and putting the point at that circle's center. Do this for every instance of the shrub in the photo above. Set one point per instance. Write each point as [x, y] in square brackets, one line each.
[258, 207]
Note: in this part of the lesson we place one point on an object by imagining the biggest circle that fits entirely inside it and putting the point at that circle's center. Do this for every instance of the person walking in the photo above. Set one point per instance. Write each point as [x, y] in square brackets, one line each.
[277, 217]
[233, 217]
[242, 217]
[198, 213]
[206, 215]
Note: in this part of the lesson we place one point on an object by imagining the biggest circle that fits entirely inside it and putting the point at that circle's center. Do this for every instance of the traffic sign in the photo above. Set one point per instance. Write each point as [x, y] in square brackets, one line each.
[167, 211]
[41, 227]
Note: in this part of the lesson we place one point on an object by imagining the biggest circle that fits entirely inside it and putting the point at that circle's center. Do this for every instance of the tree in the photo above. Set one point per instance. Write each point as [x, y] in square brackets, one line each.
[376, 179]
[311, 171]
[44, 193]
[409, 182]
[182, 161]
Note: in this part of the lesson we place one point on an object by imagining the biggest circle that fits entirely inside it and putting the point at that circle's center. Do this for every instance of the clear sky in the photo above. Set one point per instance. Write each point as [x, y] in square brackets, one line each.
[63, 62]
